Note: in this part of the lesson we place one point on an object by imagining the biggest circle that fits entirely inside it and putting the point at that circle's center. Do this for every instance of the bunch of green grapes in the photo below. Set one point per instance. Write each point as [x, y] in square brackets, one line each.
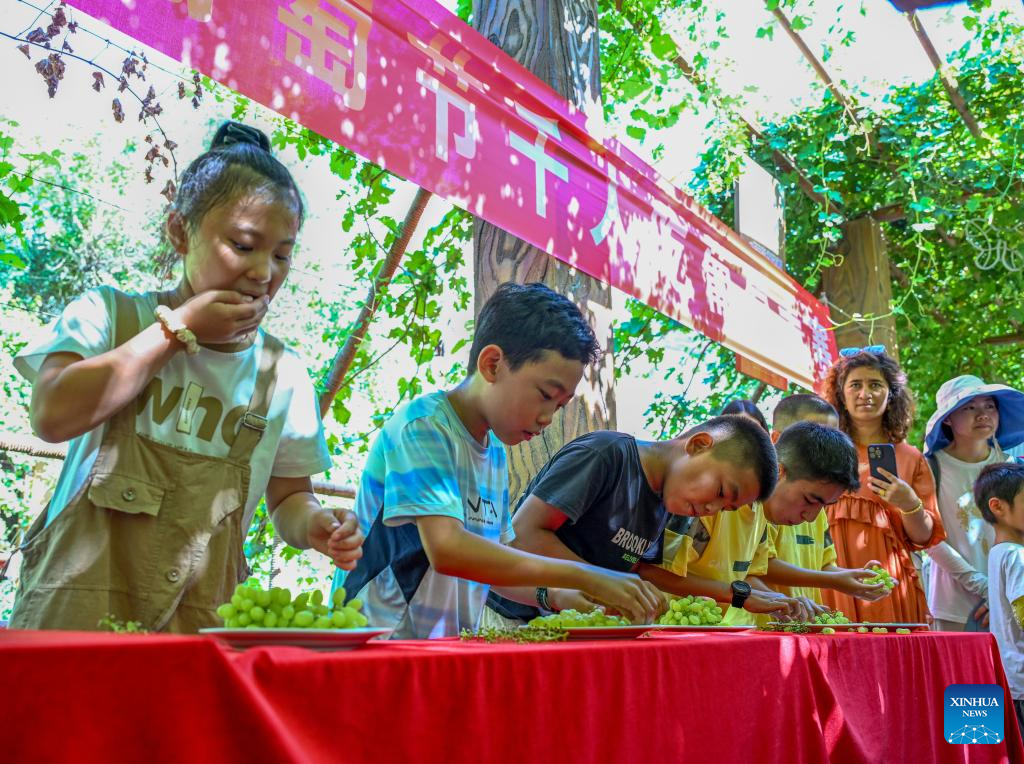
[254, 607]
[835, 617]
[571, 619]
[522, 636]
[882, 577]
[692, 611]
[792, 627]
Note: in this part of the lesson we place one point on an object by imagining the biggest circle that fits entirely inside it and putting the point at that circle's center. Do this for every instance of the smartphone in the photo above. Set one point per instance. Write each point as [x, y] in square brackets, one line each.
[882, 456]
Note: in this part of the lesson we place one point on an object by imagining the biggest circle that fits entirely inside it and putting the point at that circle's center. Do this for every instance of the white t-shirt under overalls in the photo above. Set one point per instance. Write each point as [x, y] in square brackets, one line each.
[191, 403]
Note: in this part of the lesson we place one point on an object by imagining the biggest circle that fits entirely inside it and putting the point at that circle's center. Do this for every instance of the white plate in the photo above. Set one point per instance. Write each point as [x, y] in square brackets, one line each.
[841, 627]
[632, 632]
[312, 639]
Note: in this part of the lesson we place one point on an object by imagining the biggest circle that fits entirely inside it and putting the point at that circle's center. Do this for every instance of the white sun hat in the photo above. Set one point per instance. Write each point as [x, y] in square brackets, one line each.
[957, 392]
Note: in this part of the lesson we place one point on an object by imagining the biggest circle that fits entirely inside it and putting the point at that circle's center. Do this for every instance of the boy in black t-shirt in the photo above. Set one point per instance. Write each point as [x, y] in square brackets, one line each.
[605, 497]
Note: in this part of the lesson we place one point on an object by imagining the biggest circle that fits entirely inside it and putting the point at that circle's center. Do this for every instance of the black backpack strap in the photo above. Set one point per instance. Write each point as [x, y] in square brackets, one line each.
[933, 463]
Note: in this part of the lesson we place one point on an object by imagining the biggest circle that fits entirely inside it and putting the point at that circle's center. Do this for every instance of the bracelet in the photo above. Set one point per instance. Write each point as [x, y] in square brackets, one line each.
[542, 598]
[175, 326]
[915, 510]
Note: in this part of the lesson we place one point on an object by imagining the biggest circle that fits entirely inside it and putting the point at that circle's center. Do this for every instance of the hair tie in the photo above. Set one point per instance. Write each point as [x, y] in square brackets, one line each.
[234, 132]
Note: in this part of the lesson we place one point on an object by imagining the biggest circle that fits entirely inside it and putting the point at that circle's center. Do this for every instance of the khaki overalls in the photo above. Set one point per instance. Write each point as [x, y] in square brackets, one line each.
[155, 535]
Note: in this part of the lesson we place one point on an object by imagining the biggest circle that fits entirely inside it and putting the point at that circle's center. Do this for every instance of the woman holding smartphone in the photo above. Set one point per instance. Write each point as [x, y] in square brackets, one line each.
[894, 513]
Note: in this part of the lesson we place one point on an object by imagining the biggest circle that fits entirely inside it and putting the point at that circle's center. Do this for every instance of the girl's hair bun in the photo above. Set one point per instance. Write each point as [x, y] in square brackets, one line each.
[235, 132]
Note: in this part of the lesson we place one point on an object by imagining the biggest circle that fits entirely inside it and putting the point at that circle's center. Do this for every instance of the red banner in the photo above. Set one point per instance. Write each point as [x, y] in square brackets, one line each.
[411, 87]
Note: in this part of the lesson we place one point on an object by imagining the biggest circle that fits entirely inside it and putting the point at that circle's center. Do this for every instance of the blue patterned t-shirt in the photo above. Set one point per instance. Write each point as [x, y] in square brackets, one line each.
[425, 463]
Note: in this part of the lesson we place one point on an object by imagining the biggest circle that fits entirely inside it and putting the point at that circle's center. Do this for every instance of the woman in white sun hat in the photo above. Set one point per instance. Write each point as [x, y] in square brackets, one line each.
[972, 424]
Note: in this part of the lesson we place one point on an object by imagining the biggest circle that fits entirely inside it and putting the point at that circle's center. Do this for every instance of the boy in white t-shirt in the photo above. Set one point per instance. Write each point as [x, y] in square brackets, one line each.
[999, 493]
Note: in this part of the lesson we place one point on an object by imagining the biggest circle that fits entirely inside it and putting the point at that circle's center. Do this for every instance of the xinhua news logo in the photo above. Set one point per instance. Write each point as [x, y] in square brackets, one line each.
[973, 713]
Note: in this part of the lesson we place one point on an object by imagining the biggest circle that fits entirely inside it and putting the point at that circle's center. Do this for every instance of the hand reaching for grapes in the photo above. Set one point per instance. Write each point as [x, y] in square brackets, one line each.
[775, 603]
[625, 593]
[570, 599]
[336, 534]
[854, 582]
[809, 609]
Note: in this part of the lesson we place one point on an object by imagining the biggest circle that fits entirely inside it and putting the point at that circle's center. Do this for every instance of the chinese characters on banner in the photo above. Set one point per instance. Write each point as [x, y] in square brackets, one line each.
[411, 87]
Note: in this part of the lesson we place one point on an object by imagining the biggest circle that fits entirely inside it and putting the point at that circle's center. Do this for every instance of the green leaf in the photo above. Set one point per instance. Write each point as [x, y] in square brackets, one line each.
[12, 260]
[636, 132]
[800, 22]
[664, 47]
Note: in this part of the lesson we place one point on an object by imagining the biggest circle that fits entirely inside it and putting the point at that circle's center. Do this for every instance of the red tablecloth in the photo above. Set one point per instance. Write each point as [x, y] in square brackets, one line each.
[718, 698]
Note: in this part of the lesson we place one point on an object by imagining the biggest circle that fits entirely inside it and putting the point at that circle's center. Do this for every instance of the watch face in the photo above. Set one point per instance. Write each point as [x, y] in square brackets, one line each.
[740, 587]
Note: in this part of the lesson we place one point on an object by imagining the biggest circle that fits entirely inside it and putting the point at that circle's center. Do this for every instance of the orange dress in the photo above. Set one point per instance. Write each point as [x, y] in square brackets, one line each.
[866, 528]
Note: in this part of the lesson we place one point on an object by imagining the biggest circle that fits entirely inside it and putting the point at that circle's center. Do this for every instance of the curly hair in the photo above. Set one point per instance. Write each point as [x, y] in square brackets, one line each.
[899, 411]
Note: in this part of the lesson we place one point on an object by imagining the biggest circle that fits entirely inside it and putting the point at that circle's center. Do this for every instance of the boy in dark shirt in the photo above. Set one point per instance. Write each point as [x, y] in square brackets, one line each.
[605, 497]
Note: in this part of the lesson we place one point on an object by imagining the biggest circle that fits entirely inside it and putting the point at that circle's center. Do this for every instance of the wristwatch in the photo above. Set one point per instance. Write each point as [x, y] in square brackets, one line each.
[740, 592]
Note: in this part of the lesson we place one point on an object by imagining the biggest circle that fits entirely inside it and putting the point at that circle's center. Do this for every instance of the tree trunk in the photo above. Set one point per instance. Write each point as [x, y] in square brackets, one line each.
[558, 41]
[862, 286]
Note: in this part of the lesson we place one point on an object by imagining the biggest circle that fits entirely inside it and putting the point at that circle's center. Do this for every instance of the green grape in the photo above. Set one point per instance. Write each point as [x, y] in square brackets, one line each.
[264, 598]
[828, 630]
[317, 597]
[323, 622]
[243, 620]
[256, 614]
[231, 623]
[300, 601]
[879, 630]
[303, 619]
[355, 604]
[902, 631]
[361, 620]
[338, 619]
[287, 612]
[246, 605]
[569, 619]
[226, 611]
[270, 620]
[282, 597]
[338, 597]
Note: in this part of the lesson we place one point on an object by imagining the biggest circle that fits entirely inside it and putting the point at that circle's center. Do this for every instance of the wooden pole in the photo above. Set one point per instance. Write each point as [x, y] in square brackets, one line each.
[823, 75]
[952, 89]
[558, 41]
[343, 360]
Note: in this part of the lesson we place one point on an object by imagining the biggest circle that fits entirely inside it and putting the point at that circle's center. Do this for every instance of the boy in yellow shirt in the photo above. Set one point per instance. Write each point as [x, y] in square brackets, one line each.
[808, 544]
[804, 557]
[725, 556]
